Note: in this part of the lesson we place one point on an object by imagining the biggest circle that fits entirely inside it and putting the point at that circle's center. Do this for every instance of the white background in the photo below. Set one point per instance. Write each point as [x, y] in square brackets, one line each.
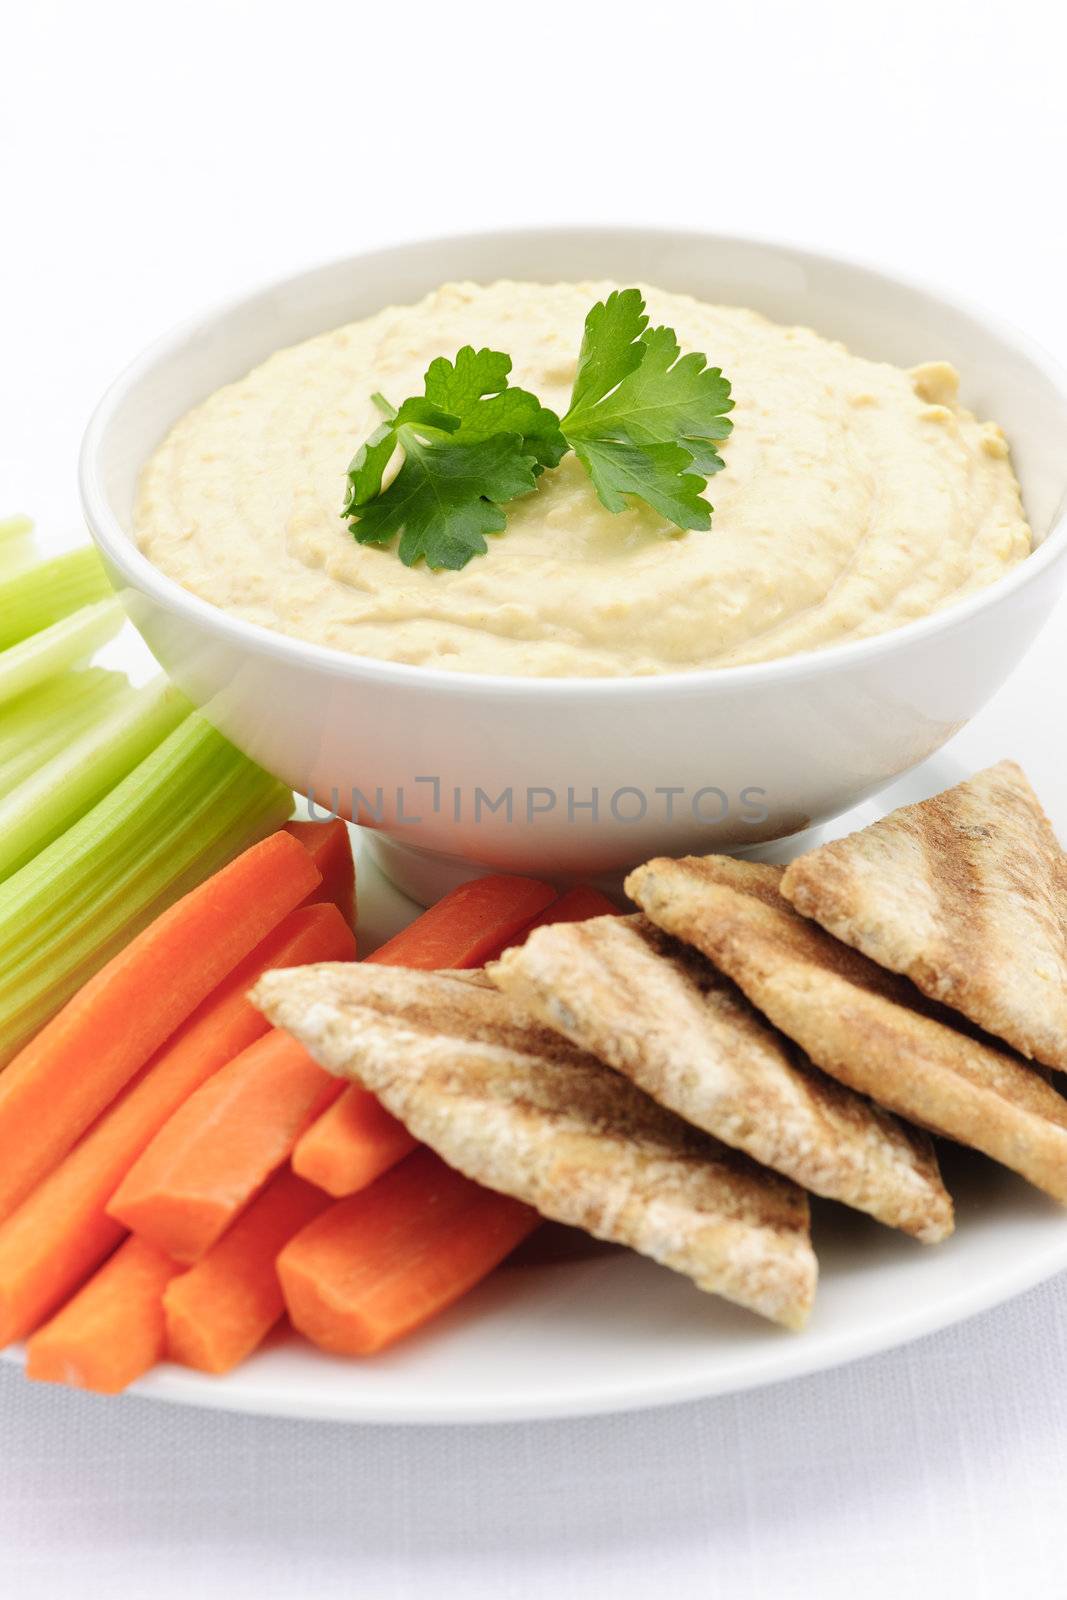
[154, 160]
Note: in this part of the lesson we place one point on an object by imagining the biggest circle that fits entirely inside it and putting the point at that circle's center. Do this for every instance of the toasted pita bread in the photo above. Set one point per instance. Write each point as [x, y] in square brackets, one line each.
[966, 895]
[659, 1013]
[517, 1108]
[855, 1019]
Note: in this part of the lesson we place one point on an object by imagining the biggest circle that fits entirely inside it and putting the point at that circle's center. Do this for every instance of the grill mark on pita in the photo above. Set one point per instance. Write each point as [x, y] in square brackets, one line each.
[937, 1076]
[954, 878]
[516, 1107]
[966, 895]
[661, 1014]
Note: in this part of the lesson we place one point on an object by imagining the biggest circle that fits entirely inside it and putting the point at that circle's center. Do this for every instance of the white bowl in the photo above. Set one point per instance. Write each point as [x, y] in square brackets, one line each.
[685, 762]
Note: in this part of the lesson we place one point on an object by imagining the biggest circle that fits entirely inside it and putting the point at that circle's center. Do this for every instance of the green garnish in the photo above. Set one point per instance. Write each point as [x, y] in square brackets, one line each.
[643, 421]
[470, 444]
[643, 416]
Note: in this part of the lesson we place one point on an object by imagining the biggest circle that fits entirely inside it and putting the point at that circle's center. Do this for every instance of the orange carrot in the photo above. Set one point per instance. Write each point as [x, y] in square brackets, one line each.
[62, 1230]
[379, 1264]
[577, 905]
[66, 1076]
[113, 1330]
[351, 1144]
[221, 1145]
[221, 1309]
[354, 1141]
[330, 847]
[468, 925]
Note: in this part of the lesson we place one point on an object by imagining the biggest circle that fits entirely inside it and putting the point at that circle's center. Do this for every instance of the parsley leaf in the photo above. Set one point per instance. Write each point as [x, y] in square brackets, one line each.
[658, 474]
[643, 418]
[470, 444]
[475, 389]
[610, 347]
[368, 465]
[446, 498]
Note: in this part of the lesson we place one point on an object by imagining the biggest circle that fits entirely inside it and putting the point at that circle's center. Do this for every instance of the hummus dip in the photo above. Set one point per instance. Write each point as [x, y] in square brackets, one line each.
[855, 497]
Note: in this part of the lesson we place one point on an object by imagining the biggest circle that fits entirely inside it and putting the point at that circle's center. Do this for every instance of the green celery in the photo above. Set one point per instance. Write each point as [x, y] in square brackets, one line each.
[14, 527]
[64, 788]
[185, 811]
[54, 649]
[35, 597]
[39, 724]
[16, 544]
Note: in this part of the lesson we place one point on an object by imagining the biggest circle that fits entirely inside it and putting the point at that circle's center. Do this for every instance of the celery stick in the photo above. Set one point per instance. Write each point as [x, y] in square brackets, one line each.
[48, 591]
[64, 788]
[16, 557]
[180, 815]
[39, 724]
[16, 544]
[54, 649]
[14, 528]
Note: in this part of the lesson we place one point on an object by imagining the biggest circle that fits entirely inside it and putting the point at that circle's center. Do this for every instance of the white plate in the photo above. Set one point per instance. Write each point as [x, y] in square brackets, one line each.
[612, 1332]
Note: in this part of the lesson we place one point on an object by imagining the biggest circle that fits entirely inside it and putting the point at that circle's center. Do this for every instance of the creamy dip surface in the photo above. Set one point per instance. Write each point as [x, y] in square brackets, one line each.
[855, 497]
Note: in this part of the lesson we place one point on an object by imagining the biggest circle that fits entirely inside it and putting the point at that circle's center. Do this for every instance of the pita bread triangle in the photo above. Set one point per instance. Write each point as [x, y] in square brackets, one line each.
[966, 895]
[863, 1025]
[661, 1014]
[518, 1109]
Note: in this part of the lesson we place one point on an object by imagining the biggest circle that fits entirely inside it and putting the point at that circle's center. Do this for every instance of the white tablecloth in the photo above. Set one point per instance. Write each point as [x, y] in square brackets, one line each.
[937, 1470]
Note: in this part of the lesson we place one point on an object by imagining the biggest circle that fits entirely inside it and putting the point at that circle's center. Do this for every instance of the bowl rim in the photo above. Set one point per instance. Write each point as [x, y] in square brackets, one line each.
[140, 574]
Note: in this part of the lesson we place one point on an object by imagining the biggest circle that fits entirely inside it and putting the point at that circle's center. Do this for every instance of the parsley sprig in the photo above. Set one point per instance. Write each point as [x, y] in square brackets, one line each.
[470, 445]
[643, 421]
[643, 417]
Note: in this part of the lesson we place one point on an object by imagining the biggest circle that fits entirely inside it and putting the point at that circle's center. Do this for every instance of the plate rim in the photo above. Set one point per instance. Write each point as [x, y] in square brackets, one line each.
[784, 1361]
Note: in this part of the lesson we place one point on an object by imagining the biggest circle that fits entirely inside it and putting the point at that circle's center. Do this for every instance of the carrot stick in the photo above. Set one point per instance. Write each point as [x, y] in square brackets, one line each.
[379, 1264]
[354, 1141]
[221, 1309]
[468, 925]
[113, 1330]
[62, 1230]
[330, 847]
[351, 1144]
[577, 905]
[78, 1063]
[221, 1145]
